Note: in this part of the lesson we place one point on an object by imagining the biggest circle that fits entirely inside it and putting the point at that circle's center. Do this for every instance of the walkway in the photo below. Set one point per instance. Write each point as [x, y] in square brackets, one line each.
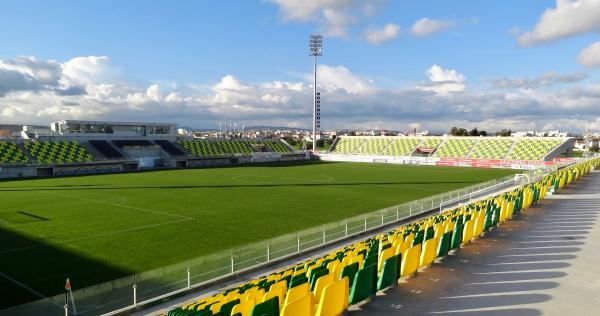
[545, 262]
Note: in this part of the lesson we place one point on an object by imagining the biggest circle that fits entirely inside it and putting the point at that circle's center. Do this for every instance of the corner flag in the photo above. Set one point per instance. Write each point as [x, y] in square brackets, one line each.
[70, 292]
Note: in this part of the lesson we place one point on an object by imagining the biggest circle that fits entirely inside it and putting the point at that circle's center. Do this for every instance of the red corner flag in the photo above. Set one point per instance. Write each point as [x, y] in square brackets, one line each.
[68, 285]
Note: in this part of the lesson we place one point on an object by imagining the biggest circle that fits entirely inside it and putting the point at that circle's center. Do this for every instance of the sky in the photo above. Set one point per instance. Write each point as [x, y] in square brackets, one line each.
[386, 64]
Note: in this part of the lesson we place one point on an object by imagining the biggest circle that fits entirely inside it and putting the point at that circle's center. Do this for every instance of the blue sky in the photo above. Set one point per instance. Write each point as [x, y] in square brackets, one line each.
[219, 59]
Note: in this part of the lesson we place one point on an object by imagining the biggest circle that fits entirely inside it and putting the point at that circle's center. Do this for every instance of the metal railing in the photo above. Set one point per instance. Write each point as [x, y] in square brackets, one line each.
[143, 288]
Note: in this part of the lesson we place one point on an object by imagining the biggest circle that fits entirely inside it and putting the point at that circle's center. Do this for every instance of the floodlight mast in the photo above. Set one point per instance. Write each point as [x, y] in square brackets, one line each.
[315, 44]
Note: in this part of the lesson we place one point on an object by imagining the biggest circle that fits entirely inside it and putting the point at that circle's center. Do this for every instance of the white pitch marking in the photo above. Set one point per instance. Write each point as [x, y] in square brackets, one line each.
[236, 177]
[120, 205]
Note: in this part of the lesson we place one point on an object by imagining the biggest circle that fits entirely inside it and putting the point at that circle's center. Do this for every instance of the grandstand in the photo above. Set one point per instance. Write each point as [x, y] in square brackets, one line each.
[75, 147]
[499, 148]
[535, 150]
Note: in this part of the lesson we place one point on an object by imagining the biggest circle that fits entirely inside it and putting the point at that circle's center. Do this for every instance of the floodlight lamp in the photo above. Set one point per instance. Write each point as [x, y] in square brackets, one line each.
[315, 44]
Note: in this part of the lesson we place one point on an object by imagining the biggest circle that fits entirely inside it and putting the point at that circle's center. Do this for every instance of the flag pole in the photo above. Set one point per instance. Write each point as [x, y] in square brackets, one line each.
[66, 303]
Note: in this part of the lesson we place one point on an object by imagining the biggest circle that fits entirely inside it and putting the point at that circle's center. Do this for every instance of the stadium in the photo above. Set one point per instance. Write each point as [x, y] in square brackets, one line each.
[142, 184]
[84, 200]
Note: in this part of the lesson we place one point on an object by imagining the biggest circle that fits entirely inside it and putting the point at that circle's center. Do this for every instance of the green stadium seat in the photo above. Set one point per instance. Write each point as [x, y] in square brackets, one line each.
[390, 272]
[58, 152]
[364, 285]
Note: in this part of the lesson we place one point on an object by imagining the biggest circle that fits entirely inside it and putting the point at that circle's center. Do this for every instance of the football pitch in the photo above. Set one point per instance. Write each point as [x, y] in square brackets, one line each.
[98, 228]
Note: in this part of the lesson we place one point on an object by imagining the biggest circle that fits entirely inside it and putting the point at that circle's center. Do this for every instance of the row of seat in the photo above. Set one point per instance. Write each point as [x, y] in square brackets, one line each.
[455, 147]
[452, 147]
[221, 147]
[492, 148]
[11, 153]
[328, 285]
[58, 151]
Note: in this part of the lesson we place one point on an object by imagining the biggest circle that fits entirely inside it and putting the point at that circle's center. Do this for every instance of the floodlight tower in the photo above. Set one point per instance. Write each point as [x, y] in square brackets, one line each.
[315, 44]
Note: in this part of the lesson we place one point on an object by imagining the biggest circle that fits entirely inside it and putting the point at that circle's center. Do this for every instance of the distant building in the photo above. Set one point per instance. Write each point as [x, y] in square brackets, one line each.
[107, 128]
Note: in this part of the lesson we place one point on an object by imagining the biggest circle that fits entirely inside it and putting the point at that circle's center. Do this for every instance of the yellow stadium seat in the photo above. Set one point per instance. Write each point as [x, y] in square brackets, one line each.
[333, 300]
[410, 260]
[277, 289]
[322, 282]
[245, 308]
[297, 292]
[468, 231]
[299, 307]
[429, 252]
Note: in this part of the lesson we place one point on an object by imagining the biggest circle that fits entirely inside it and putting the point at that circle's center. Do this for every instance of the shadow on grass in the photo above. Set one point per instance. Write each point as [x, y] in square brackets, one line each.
[29, 274]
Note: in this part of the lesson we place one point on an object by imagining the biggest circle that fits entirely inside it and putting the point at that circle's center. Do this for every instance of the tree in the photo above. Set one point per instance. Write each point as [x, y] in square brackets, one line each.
[474, 132]
[594, 149]
[454, 131]
[504, 132]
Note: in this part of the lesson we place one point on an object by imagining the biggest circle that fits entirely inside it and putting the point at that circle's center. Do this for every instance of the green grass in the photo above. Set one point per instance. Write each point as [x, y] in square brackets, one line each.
[97, 228]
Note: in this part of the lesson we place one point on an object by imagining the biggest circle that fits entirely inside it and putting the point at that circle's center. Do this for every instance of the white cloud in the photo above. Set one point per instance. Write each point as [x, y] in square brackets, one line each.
[547, 79]
[340, 77]
[229, 82]
[444, 81]
[378, 36]
[349, 100]
[590, 56]
[334, 16]
[427, 26]
[85, 71]
[569, 18]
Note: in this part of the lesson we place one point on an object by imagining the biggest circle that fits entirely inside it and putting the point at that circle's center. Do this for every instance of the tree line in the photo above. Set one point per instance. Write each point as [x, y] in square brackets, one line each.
[459, 131]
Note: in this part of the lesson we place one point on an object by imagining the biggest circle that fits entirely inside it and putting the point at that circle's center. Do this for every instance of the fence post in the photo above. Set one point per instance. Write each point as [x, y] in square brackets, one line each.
[323, 233]
[410, 210]
[382, 218]
[346, 227]
[232, 268]
[268, 252]
[298, 243]
[365, 224]
[189, 278]
[397, 213]
[134, 294]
